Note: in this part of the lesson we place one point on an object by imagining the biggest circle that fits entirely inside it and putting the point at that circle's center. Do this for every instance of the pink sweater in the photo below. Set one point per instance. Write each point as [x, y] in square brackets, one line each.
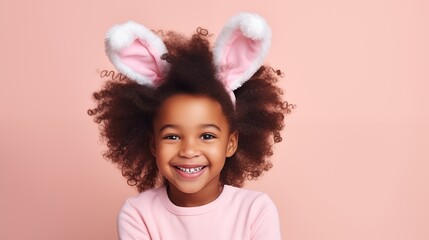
[237, 214]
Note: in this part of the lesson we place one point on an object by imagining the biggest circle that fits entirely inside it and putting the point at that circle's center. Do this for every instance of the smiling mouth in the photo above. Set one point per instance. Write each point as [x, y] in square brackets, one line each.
[190, 170]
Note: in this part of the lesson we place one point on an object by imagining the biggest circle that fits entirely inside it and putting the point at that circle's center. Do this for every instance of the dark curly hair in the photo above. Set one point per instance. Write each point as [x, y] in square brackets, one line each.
[125, 111]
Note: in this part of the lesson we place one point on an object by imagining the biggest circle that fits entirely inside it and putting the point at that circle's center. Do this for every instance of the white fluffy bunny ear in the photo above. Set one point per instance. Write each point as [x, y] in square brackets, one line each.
[241, 48]
[136, 52]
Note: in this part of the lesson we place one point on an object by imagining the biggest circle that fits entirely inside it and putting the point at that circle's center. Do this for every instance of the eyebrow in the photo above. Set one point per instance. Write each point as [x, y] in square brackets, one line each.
[201, 126]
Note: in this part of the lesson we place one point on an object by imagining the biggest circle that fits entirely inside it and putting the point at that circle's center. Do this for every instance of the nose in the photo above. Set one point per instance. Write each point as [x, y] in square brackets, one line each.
[189, 149]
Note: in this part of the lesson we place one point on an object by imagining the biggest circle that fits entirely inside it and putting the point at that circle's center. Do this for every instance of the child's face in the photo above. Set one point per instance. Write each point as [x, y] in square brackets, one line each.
[191, 142]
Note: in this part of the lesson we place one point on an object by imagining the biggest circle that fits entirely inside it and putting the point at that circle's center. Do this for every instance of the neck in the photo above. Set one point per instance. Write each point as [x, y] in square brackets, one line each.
[196, 199]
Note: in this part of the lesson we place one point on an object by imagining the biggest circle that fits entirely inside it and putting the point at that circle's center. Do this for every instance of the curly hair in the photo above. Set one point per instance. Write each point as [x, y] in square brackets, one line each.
[125, 111]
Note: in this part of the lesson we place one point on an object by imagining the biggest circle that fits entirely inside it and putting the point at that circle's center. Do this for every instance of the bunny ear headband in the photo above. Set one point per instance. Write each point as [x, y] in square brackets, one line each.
[238, 52]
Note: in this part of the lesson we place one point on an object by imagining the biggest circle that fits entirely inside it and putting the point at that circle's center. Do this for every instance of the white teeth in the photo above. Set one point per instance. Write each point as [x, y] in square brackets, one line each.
[190, 170]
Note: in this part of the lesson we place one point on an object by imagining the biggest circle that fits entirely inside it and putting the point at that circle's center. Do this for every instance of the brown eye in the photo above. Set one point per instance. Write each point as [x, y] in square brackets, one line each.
[207, 136]
[171, 137]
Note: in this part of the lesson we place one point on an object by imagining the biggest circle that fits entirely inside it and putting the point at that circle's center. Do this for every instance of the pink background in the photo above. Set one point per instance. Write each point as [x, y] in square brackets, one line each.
[354, 163]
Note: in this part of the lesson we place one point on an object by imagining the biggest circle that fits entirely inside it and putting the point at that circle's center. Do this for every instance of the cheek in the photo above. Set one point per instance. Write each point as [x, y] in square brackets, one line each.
[162, 158]
[164, 152]
[218, 150]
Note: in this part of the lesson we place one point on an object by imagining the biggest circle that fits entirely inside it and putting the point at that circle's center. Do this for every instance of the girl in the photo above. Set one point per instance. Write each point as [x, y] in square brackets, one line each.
[188, 125]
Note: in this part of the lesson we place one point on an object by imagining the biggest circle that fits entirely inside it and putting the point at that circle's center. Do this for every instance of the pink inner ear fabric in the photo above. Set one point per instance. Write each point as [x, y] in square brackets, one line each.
[142, 60]
[238, 55]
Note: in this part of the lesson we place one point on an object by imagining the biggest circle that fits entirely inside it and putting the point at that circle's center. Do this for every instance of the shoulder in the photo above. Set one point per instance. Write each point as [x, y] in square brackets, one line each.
[131, 222]
[143, 202]
[248, 196]
[255, 203]
[145, 197]
[260, 210]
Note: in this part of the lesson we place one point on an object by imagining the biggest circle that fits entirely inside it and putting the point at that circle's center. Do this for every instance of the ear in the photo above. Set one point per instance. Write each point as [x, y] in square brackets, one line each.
[136, 52]
[241, 48]
[232, 144]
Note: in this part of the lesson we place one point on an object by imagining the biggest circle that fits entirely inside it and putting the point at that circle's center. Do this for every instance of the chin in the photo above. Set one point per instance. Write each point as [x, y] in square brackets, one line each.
[188, 189]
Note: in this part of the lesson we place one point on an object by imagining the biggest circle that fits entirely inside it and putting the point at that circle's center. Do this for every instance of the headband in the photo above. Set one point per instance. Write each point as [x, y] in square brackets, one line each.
[237, 54]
